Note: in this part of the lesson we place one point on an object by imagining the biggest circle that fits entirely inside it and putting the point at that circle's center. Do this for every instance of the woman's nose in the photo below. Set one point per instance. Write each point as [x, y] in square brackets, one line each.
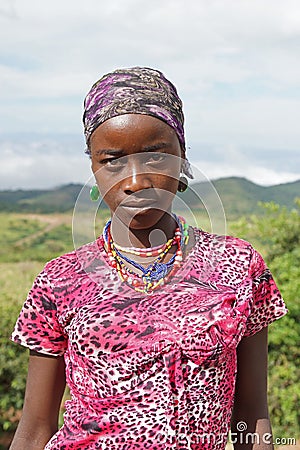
[136, 178]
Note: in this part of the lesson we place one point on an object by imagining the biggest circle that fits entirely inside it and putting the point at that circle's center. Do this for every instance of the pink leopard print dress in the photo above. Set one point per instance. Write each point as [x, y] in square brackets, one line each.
[149, 371]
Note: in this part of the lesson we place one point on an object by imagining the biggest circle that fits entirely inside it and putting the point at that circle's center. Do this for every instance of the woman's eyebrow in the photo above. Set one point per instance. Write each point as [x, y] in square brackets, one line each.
[108, 151]
[158, 146]
[120, 152]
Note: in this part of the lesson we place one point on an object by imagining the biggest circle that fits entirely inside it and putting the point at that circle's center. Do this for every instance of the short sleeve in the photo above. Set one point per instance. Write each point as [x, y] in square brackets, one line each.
[37, 326]
[267, 304]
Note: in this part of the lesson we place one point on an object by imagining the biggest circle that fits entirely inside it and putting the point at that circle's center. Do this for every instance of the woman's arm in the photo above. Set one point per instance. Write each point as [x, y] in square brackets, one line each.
[251, 427]
[44, 390]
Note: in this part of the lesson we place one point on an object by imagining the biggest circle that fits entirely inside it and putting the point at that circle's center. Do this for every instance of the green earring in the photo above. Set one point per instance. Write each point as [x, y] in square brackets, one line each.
[94, 193]
[183, 184]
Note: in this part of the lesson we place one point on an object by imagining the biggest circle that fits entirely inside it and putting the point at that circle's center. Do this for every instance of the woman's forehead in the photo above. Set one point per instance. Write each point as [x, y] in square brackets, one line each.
[134, 126]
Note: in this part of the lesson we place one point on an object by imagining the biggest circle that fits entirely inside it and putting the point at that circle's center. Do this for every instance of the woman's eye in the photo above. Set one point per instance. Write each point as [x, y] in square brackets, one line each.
[113, 163]
[156, 157]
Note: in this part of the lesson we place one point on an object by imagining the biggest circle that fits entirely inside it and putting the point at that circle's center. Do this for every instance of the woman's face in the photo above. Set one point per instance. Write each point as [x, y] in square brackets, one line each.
[136, 161]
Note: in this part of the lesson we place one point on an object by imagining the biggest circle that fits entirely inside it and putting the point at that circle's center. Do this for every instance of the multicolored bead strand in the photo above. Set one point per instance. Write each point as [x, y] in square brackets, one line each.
[144, 252]
[156, 273]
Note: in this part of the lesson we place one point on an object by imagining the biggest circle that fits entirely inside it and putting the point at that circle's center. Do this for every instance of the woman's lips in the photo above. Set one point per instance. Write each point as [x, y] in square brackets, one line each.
[139, 204]
[134, 201]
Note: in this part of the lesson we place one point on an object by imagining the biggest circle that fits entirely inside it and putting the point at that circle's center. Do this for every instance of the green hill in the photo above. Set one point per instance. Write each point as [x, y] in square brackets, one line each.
[238, 195]
[60, 199]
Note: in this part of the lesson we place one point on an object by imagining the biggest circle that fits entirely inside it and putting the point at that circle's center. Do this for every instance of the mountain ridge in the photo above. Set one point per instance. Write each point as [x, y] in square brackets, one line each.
[238, 195]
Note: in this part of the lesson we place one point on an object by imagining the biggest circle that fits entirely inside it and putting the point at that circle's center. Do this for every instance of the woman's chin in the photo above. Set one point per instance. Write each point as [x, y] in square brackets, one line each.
[139, 219]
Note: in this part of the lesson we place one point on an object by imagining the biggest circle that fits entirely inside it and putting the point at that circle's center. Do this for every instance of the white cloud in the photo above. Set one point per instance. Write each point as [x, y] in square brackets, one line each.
[47, 161]
[263, 122]
[212, 37]
[236, 63]
[42, 163]
[260, 175]
[7, 9]
[260, 165]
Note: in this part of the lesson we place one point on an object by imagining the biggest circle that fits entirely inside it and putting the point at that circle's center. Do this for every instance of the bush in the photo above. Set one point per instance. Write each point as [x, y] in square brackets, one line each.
[15, 279]
[277, 233]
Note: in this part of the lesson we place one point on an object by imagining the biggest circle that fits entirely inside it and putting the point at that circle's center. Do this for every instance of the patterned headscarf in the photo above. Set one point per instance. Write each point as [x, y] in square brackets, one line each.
[137, 90]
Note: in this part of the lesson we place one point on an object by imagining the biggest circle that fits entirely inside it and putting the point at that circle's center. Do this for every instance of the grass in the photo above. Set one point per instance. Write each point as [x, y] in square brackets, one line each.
[16, 279]
[33, 237]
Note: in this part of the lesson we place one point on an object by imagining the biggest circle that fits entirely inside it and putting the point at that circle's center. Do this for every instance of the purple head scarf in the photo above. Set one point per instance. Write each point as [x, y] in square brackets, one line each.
[137, 90]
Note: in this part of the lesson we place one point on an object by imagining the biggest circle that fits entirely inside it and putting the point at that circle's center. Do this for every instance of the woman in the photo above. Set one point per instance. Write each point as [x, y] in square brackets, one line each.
[159, 328]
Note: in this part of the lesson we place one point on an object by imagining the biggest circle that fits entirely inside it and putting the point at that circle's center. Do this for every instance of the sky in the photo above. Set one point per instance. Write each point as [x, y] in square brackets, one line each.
[235, 64]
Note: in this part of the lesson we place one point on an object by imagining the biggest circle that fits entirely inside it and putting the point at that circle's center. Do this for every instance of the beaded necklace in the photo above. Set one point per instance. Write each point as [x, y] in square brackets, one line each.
[144, 252]
[157, 273]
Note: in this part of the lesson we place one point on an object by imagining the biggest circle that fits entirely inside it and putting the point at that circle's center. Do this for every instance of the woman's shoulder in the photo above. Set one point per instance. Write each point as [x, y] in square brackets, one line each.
[224, 241]
[226, 254]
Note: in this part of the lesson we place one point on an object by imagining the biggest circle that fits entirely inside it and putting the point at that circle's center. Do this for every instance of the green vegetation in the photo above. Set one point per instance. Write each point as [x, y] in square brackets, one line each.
[28, 241]
[15, 280]
[56, 200]
[239, 196]
[33, 237]
[277, 234]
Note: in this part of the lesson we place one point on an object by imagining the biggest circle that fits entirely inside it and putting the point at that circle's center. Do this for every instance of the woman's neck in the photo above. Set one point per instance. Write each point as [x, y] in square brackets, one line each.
[153, 236]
